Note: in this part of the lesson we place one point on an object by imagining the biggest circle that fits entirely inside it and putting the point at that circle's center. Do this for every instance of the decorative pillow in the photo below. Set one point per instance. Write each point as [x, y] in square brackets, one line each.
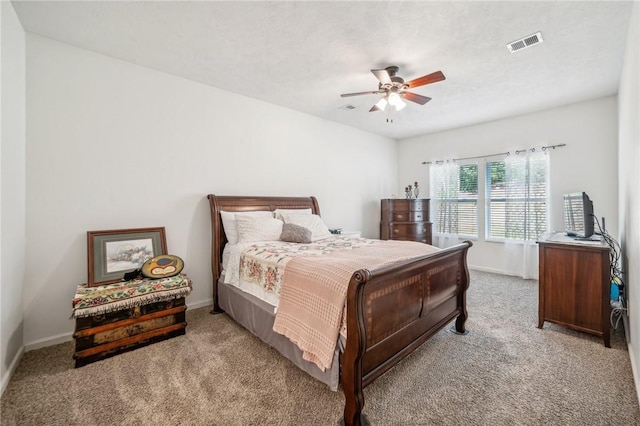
[252, 229]
[279, 212]
[310, 221]
[229, 222]
[295, 233]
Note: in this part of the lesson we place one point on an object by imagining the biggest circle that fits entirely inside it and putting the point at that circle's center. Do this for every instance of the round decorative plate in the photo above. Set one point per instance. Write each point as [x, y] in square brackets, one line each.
[165, 265]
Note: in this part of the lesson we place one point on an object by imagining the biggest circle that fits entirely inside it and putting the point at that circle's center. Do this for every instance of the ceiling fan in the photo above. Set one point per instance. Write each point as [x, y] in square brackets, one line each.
[395, 89]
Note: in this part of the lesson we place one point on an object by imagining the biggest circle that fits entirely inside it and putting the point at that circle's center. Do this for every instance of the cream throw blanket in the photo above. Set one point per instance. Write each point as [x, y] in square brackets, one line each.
[314, 291]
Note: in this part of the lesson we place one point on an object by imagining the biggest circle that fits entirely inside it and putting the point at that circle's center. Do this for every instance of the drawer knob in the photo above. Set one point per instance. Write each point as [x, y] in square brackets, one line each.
[424, 229]
[396, 231]
[400, 216]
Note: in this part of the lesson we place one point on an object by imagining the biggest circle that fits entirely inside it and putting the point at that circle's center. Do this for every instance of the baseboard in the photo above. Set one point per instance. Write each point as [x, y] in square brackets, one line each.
[497, 271]
[9, 373]
[48, 341]
[200, 304]
[483, 269]
[632, 357]
[634, 370]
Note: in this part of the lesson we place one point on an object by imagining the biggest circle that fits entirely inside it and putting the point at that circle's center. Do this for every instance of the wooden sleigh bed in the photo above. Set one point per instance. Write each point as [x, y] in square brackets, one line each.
[391, 311]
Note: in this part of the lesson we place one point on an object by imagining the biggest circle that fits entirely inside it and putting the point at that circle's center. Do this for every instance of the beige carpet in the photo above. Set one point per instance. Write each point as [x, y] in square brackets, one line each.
[505, 372]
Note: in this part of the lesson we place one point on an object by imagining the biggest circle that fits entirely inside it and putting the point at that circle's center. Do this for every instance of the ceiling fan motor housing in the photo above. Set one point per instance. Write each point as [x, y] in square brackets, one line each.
[392, 70]
[397, 82]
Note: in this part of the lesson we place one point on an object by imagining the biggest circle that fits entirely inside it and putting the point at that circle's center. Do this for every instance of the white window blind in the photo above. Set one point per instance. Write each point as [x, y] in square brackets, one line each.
[517, 190]
[456, 198]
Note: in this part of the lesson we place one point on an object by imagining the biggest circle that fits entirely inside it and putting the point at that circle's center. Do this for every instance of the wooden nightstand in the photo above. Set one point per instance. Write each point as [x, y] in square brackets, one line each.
[575, 285]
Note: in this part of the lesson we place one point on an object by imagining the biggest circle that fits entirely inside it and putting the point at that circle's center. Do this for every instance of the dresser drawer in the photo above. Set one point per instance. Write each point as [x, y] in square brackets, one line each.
[408, 216]
[410, 229]
[404, 211]
[407, 204]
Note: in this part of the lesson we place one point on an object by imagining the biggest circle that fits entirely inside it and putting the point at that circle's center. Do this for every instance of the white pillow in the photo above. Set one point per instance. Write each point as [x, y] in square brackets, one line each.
[229, 222]
[252, 229]
[279, 212]
[310, 221]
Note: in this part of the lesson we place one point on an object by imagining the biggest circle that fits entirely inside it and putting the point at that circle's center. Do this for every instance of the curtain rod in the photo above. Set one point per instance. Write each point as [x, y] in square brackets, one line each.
[517, 152]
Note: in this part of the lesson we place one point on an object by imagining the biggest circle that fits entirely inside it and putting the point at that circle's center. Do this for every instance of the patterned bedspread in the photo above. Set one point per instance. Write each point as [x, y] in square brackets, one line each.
[263, 264]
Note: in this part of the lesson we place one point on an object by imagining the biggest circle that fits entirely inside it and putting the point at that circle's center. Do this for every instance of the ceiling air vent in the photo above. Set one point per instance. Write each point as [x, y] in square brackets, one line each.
[525, 42]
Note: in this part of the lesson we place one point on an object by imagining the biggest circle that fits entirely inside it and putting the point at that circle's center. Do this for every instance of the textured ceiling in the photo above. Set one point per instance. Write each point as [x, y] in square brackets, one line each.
[302, 55]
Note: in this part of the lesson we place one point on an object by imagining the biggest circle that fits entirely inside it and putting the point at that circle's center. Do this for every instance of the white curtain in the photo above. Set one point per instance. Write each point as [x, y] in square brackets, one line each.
[444, 183]
[527, 184]
[521, 259]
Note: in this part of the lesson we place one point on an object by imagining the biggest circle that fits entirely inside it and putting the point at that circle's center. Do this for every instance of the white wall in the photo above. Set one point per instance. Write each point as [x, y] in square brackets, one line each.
[588, 162]
[629, 185]
[12, 223]
[114, 145]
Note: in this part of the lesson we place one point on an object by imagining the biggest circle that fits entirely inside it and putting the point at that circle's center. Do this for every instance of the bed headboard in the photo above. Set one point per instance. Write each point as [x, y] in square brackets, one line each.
[244, 204]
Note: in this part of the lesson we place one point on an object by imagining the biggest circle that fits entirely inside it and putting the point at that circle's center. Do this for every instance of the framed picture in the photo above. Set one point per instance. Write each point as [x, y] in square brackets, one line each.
[113, 253]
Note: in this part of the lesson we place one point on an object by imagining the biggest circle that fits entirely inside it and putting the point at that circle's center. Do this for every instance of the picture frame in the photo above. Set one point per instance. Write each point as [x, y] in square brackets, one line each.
[112, 253]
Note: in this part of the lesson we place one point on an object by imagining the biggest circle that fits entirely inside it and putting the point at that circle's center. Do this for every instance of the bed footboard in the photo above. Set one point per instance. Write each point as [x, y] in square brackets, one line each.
[394, 310]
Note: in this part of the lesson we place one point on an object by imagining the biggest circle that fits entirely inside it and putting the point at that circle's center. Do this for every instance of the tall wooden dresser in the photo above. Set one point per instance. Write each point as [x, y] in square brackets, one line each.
[405, 219]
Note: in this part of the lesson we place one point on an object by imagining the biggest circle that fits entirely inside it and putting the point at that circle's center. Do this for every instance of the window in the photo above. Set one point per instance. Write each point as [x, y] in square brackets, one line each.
[517, 191]
[456, 200]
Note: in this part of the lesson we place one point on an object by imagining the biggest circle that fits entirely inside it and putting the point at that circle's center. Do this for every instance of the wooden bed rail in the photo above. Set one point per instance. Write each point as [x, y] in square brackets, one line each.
[394, 310]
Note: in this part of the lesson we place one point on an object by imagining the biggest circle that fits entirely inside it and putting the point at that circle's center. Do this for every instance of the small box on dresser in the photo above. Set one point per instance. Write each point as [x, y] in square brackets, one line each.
[405, 219]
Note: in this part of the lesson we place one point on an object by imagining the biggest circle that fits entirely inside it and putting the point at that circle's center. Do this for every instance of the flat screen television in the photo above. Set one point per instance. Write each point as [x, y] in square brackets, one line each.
[578, 215]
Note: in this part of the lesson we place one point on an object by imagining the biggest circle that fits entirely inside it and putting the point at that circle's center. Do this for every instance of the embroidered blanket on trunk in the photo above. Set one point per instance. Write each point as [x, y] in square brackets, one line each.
[314, 290]
[102, 299]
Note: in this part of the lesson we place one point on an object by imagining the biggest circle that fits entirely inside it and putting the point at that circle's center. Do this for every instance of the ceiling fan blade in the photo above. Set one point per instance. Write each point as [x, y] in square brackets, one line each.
[414, 97]
[375, 108]
[427, 79]
[375, 92]
[382, 76]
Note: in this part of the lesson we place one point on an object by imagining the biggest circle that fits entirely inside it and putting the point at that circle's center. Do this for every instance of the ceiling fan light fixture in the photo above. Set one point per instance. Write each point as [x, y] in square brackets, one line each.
[382, 103]
[396, 101]
[394, 98]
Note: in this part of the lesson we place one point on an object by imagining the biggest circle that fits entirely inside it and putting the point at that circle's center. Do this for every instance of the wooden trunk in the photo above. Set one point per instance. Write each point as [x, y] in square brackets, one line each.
[101, 336]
